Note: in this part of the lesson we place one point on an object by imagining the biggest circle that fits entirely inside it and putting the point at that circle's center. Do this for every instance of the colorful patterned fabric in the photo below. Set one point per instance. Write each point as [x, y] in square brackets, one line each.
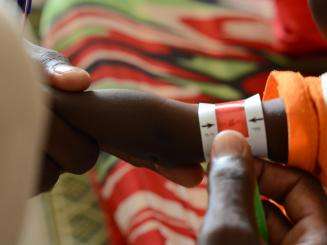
[182, 49]
[142, 207]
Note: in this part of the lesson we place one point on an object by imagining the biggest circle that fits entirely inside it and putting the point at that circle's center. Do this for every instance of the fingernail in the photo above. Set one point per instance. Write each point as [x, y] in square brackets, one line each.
[61, 69]
[230, 143]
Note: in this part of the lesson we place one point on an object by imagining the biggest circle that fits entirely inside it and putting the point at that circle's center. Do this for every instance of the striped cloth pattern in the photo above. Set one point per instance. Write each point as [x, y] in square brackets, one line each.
[185, 51]
[181, 49]
[142, 207]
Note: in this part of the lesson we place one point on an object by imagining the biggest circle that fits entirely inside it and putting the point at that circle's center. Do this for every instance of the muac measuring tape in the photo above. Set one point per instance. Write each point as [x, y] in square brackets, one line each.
[244, 116]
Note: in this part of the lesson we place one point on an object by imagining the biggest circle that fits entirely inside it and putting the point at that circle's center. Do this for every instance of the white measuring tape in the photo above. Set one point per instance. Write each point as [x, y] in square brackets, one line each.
[208, 127]
[245, 116]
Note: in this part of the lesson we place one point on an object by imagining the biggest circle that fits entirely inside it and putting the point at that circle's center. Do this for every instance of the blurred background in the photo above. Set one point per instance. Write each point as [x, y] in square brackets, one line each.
[205, 50]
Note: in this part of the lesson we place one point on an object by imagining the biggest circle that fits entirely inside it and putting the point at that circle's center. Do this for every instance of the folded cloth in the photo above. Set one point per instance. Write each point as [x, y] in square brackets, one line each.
[306, 111]
[301, 117]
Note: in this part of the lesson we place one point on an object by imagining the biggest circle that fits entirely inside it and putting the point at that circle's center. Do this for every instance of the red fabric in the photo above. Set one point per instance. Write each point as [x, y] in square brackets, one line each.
[295, 28]
[142, 207]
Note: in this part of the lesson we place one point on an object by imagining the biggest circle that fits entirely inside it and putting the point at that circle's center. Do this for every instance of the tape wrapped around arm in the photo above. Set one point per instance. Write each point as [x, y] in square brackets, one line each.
[244, 116]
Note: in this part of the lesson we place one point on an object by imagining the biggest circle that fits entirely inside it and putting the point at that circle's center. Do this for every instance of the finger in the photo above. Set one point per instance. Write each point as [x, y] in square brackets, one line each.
[277, 224]
[59, 72]
[48, 175]
[188, 176]
[230, 218]
[74, 151]
[299, 192]
[68, 78]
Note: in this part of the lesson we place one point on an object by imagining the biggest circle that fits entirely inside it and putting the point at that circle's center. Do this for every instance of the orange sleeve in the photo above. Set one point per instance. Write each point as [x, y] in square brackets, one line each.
[302, 121]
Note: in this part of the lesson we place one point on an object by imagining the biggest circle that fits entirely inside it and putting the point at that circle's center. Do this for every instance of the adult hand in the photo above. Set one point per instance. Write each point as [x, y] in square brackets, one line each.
[59, 73]
[230, 218]
[71, 150]
[66, 149]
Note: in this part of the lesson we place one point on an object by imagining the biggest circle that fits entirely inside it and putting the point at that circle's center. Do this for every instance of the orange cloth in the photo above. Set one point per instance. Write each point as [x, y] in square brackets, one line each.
[316, 94]
[301, 117]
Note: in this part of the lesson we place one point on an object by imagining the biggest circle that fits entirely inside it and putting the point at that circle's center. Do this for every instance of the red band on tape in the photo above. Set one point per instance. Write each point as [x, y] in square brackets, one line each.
[231, 115]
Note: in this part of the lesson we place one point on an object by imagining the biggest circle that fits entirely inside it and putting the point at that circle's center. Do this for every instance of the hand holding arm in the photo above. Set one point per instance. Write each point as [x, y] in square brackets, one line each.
[67, 149]
[230, 217]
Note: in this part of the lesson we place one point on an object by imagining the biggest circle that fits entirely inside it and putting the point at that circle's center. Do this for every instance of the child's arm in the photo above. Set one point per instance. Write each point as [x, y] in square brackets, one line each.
[135, 126]
[146, 129]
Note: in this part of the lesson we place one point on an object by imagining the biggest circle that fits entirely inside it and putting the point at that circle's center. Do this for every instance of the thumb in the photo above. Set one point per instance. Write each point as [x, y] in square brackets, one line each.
[60, 74]
[230, 218]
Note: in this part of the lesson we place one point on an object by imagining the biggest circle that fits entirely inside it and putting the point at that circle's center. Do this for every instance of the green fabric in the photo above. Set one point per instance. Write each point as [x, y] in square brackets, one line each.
[132, 8]
[221, 68]
[69, 41]
[216, 90]
[106, 162]
[260, 215]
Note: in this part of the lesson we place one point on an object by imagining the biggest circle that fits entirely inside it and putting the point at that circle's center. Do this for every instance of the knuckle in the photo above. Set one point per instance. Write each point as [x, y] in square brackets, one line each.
[43, 55]
[51, 58]
[229, 167]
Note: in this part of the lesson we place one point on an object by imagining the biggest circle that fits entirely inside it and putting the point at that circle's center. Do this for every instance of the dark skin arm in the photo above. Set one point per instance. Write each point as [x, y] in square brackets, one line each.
[143, 129]
[149, 131]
